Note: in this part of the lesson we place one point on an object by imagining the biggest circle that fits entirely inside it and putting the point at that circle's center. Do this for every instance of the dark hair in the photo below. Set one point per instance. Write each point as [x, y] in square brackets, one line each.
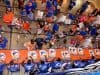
[32, 41]
[42, 62]
[29, 62]
[11, 62]
[58, 59]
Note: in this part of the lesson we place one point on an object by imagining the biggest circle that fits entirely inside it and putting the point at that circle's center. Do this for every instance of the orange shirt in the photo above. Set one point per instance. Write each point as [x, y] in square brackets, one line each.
[26, 26]
[8, 17]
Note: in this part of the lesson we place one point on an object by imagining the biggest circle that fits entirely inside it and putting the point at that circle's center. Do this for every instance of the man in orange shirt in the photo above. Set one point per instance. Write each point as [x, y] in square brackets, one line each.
[8, 16]
[26, 26]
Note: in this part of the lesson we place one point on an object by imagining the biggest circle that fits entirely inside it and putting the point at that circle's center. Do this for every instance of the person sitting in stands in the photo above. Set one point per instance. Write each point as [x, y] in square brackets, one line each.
[44, 67]
[30, 45]
[8, 16]
[3, 42]
[13, 67]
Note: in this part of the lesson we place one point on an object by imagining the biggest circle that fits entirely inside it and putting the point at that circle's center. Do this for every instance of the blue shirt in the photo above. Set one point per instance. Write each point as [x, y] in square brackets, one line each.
[55, 3]
[48, 5]
[49, 36]
[71, 16]
[43, 68]
[28, 67]
[28, 8]
[93, 31]
[91, 61]
[3, 43]
[55, 27]
[2, 66]
[56, 64]
[30, 16]
[34, 5]
[79, 64]
[13, 68]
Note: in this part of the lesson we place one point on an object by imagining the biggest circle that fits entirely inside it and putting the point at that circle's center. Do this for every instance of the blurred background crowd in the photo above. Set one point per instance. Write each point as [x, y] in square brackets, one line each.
[41, 24]
[44, 24]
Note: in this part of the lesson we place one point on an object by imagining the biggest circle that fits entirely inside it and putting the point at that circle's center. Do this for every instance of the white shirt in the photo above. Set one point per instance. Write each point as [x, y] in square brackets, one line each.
[62, 18]
[68, 21]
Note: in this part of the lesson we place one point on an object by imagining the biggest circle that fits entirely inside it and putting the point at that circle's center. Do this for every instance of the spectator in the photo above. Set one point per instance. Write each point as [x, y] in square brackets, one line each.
[30, 16]
[56, 65]
[34, 4]
[20, 4]
[3, 42]
[44, 67]
[8, 16]
[31, 45]
[55, 28]
[26, 26]
[84, 7]
[28, 66]
[39, 42]
[71, 4]
[28, 7]
[2, 67]
[7, 2]
[13, 67]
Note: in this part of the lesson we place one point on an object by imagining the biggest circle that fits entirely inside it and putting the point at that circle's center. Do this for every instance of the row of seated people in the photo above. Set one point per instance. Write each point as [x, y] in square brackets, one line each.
[57, 65]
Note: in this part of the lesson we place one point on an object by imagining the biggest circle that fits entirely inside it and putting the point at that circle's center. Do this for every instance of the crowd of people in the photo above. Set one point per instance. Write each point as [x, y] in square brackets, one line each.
[52, 25]
[44, 66]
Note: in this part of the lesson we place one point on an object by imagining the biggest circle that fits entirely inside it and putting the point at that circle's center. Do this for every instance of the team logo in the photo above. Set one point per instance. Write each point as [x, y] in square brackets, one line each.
[73, 50]
[43, 53]
[80, 51]
[97, 51]
[91, 52]
[15, 54]
[2, 56]
[32, 54]
[65, 54]
[52, 53]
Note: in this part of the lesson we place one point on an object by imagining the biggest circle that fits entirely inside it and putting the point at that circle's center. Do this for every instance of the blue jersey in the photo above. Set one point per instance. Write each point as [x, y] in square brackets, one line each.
[2, 66]
[68, 65]
[28, 67]
[79, 64]
[56, 65]
[13, 68]
[91, 61]
[43, 68]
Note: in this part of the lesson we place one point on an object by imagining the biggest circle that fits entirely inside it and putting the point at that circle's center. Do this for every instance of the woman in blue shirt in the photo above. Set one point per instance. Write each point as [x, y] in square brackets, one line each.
[43, 67]
[28, 66]
[13, 67]
[2, 67]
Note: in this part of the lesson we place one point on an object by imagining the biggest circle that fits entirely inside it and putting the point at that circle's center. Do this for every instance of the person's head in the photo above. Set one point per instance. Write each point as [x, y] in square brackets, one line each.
[32, 41]
[58, 59]
[11, 62]
[42, 62]
[29, 62]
